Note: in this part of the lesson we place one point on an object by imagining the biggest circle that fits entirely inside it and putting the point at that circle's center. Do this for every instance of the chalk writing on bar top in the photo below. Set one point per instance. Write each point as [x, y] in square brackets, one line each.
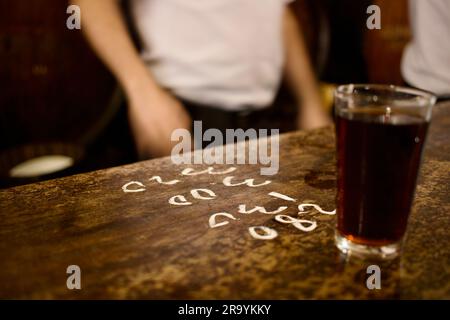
[219, 220]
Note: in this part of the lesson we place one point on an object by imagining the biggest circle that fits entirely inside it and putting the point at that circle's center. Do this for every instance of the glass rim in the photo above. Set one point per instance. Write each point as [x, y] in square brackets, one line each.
[347, 90]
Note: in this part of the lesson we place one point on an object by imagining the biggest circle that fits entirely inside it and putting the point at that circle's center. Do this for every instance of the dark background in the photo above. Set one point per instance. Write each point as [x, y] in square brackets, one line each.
[56, 97]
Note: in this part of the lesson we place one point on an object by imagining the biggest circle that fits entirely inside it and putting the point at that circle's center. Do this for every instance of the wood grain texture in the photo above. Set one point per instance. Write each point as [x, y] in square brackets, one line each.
[136, 245]
[383, 49]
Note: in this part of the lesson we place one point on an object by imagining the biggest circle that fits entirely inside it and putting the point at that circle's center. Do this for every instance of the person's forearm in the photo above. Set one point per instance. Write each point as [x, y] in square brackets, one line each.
[105, 29]
[298, 72]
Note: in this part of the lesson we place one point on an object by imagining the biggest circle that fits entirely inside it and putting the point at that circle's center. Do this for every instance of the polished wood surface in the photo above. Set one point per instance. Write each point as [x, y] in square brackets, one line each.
[137, 245]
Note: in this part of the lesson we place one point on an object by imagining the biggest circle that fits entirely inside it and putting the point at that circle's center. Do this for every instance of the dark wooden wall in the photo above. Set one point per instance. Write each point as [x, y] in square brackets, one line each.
[383, 48]
[344, 50]
[52, 86]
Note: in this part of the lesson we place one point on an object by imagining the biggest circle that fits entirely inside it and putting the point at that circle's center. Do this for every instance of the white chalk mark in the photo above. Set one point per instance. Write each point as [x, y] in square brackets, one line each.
[179, 200]
[249, 182]
[137, 183]
[243, 209]
[301, 208]
[214, 224]
[159, 180]
[196, 194]
[281, 196]
[269, 233]
[301, 224]
[209, 170]
[285, 219]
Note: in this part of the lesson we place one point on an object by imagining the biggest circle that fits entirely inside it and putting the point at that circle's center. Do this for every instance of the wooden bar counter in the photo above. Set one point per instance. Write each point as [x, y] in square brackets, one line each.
[136, 245]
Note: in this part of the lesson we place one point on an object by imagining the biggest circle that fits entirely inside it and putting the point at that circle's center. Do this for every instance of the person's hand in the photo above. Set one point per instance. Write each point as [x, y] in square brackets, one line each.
[154, 115]
[312, 115]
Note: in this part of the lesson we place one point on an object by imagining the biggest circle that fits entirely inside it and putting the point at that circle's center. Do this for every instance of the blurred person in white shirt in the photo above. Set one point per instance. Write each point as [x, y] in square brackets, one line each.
[226, 55]
[426, 59]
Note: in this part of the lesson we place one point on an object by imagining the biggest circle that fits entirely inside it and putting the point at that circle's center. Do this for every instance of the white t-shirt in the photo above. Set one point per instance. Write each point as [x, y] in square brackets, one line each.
[426, 60]
[223, 53]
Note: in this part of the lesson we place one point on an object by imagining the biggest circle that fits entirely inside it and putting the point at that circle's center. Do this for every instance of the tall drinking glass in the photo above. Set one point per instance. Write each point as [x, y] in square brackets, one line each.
[380, 132]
